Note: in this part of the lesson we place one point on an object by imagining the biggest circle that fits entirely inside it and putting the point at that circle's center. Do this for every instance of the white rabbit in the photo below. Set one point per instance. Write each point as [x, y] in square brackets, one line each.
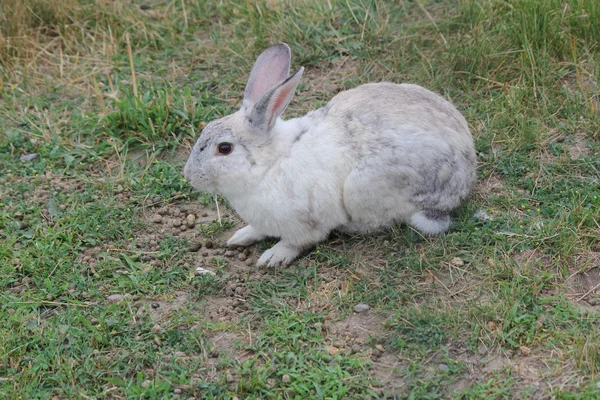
[374, 155]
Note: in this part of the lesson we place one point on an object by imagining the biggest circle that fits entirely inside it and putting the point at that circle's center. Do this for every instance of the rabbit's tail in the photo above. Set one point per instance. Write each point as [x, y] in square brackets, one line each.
[431, 222]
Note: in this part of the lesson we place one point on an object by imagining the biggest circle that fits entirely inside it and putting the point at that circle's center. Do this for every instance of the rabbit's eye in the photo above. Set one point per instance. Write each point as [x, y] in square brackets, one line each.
[225, 148]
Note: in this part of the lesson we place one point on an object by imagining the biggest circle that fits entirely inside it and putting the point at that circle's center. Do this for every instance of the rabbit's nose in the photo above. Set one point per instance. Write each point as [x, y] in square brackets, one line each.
[187, 171]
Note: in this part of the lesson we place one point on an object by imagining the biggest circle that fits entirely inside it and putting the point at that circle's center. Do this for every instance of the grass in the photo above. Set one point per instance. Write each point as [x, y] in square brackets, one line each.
[98, 300]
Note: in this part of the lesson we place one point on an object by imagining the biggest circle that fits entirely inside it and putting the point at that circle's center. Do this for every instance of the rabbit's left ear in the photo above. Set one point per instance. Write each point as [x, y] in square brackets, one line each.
[271, 67]
[262, 115]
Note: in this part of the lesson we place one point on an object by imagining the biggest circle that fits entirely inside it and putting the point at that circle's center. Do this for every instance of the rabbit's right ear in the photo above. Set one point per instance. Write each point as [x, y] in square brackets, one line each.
[271, 67]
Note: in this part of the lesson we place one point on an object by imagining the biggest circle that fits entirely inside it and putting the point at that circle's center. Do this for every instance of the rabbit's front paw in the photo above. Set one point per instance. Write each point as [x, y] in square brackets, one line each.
[245, 237]
[279, 254]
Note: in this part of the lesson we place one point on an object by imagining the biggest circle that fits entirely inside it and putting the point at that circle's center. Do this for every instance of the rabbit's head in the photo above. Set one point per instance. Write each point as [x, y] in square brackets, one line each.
[225, 154]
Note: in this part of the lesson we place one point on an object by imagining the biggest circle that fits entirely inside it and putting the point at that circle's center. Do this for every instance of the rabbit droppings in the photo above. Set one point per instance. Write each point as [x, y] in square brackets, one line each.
[374, 155]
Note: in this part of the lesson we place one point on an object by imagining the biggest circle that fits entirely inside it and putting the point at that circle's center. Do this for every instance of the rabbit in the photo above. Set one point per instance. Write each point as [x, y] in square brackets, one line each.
[375, 155]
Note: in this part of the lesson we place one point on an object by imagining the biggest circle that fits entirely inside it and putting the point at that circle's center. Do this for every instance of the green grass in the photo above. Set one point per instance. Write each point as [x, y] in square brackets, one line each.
[488, 310]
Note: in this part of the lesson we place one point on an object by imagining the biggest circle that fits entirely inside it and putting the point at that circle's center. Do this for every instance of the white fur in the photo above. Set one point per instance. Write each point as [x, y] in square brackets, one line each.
[245, 237]
[375, 155]
[429, 226]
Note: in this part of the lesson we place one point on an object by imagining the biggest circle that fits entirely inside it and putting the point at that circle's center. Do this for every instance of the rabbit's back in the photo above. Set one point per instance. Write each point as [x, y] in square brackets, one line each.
[410, 150]
[383, 105]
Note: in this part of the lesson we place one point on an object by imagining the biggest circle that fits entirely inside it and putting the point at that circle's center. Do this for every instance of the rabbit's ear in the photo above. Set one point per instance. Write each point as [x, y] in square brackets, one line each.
[270, 68]
[262, 115]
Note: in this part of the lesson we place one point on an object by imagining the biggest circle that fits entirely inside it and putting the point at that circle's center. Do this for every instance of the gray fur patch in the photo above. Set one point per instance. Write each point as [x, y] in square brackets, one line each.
[250, 158]
[310, 219]
[257, 117]
[303, 130]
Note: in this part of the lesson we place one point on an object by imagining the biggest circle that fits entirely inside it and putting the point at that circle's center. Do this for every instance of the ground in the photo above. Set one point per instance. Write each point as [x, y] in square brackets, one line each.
[102, 238]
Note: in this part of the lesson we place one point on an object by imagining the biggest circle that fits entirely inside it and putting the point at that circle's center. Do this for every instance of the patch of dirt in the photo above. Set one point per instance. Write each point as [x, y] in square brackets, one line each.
[579, 148]
[528, 370]
[227, 344]
[328, 82]
[582, 285]
[454, 284]
[224, 308]
[390, 371]
[533, 258]
[490, 185]
[223, 345]
[185, 221]
[160, 310]
[361, 333]
[584, 81]
[363, 326]
[547, 158]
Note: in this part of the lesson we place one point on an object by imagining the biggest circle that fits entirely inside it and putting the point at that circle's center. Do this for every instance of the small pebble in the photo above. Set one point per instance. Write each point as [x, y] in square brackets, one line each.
[229, 378]
[442, 367]
[156, 329]
[359, 308]
[157, 219]
[155, 305]
[191, 220]
[249, 262]
[146, 384]
[114, 298]
[177, 391]
[285, 378]
[525, 351]
[203, 271]
[242, 257]
[29, 157]
[457, 262]
[195, 246]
